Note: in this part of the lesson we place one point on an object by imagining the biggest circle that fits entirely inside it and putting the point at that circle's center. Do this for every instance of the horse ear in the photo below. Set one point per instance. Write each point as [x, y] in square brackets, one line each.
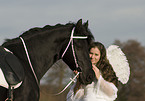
[79, 23]
[86, 24]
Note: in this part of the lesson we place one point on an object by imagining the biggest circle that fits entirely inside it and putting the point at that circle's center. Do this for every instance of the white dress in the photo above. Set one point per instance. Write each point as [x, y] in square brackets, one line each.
[101, 90]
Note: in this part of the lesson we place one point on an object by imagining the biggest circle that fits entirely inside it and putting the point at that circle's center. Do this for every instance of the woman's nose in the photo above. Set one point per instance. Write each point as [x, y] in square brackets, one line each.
[92, 55]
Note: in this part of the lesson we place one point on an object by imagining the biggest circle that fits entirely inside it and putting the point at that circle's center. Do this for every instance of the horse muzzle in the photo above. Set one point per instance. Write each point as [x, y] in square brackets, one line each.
[88, 79]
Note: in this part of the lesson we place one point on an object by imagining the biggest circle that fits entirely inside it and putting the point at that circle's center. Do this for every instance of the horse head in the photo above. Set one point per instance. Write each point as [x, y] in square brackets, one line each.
[77, 56]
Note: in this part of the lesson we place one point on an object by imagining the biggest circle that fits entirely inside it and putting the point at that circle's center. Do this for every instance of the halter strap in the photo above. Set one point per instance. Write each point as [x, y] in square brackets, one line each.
[71, 80]
[29, 59]
[71, 42]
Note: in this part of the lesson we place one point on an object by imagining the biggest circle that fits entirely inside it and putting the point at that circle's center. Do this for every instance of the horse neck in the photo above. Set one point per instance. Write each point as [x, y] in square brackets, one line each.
[45, 50]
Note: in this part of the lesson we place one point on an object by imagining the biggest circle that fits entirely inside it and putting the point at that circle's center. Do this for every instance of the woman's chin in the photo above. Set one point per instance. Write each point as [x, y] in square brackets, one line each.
[94, 63]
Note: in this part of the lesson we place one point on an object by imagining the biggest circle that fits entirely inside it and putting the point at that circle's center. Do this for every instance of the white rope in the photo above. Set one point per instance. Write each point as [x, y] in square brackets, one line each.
[71, 39]
[72, 80]
[79, 37]
[68, 43]
[29, 59]
[75, 59]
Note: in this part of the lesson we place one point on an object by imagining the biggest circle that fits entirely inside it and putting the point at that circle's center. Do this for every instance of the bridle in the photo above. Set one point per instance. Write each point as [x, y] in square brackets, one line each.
[74, 55]
[72, 46]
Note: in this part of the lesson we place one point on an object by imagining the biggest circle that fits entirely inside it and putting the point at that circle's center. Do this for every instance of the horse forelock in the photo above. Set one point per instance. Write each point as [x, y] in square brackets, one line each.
[85, 31]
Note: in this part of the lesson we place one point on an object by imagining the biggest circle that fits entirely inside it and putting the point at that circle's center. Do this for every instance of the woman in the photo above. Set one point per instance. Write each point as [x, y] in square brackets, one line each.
[104, 87]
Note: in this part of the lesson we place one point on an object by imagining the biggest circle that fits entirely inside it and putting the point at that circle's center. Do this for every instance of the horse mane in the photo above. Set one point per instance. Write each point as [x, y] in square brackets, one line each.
[35, 30]
[46, 27]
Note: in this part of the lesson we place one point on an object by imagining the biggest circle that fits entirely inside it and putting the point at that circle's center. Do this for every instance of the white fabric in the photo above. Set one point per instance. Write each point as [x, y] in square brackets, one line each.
[119, 63]
[77, 97]
[101, 90]
[3, 82]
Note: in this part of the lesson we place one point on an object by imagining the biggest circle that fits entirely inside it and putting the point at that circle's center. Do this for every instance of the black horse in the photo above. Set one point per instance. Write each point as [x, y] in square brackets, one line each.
[45, 46]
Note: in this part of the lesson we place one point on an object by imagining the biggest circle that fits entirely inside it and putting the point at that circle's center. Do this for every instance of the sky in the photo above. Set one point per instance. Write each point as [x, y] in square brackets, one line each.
[108, 19]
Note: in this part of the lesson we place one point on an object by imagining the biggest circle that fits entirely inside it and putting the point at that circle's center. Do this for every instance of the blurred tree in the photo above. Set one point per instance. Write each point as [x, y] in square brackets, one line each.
[54, 81]
[134, 90]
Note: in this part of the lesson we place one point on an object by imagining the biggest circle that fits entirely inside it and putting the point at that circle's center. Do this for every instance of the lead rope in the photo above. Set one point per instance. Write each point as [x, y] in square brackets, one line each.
[72, 80]
[29, 59]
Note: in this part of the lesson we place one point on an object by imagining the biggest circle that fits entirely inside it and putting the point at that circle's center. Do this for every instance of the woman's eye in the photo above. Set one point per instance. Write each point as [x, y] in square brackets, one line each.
[96, 54]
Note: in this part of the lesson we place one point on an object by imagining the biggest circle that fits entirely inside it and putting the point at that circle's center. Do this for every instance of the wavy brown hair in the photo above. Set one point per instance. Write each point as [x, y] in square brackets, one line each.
[103, 64]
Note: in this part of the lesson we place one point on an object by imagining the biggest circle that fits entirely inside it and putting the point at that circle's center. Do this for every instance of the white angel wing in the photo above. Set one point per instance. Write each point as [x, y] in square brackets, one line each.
[119, 63]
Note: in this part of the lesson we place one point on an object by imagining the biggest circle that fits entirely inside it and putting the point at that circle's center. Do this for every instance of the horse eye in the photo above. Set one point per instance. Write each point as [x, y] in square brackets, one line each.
[79, 43]
[79, 46]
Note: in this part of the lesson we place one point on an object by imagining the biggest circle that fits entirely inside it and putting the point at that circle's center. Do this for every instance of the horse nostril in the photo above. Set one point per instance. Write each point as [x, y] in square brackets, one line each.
[79, 69]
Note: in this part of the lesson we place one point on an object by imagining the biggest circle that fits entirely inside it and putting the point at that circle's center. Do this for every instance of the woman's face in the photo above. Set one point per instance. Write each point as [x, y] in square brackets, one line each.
[94, 55]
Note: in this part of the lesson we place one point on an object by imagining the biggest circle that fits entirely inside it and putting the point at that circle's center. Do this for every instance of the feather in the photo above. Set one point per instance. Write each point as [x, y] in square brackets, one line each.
[119, 63]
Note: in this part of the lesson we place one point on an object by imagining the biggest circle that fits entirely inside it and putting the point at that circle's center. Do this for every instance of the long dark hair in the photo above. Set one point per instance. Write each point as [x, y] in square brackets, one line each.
[103, 64]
